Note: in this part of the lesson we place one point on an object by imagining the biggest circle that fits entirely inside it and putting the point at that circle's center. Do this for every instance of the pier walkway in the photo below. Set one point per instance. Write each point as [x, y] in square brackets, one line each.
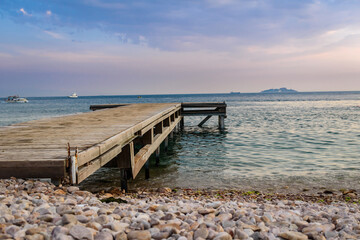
[75, 146]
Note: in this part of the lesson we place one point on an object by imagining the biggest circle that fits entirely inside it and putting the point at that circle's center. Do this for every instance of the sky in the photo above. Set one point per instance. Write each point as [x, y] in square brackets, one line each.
[109, 47]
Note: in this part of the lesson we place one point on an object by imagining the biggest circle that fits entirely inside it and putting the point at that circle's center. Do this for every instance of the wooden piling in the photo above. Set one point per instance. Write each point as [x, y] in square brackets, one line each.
[147, 169]
[166, 144]
[157, 156]
[221, 122]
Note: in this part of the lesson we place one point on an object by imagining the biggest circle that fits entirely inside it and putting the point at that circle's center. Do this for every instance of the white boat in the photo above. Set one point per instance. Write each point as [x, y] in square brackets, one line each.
[74, 95]
[16, 99]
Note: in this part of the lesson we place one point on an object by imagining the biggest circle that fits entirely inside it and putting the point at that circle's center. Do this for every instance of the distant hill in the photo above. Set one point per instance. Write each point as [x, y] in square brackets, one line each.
[279, 90]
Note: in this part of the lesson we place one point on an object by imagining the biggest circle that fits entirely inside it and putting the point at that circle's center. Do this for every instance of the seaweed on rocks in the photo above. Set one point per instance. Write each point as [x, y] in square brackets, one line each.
[112, 199]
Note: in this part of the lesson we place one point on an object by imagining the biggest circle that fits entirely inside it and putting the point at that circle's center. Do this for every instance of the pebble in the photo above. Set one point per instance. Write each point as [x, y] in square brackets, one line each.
[81, 232]
[201, 232]
[223, 236]
[293, 235]
[36, 210]
[139, 235]
[103, 236]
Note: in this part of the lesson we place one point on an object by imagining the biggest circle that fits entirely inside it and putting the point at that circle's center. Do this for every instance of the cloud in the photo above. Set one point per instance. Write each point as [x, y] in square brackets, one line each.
[143, 41]
[5, 55]
[54, 35]
[180, 23]
[24, 12]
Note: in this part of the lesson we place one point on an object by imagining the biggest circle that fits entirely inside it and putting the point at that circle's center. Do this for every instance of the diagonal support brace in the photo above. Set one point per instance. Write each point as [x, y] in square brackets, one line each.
[204, 121]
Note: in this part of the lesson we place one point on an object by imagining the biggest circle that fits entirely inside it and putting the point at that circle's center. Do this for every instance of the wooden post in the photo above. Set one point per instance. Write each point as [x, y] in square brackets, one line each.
[126, 156]
[124, 160]
[147, 169]
[148, 138]
[73, 170]
[172, 134]
[157, 156]
[123, 179]
[221, 122]
[182, 123]
[166, 143]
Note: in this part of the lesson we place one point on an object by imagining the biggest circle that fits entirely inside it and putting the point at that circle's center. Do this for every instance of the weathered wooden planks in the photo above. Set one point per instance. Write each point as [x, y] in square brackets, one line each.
[39, 148]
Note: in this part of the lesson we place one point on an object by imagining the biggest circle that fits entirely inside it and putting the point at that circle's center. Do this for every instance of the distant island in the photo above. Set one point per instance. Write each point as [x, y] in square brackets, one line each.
[279, 90]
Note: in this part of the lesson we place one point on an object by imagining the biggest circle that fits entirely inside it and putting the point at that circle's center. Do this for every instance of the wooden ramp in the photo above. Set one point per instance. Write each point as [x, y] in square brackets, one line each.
[75, 146]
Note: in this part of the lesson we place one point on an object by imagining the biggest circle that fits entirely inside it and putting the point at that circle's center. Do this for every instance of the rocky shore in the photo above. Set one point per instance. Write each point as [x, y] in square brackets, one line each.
[39, 210]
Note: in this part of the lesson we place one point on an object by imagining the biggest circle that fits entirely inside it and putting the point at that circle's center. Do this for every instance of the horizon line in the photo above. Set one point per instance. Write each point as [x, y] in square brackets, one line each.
[174, 94]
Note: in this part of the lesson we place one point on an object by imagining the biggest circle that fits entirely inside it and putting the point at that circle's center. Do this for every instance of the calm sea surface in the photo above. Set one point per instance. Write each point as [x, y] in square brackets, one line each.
[298, 140]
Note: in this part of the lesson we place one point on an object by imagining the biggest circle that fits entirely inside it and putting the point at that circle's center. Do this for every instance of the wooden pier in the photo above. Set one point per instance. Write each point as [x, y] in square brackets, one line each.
[73, 147]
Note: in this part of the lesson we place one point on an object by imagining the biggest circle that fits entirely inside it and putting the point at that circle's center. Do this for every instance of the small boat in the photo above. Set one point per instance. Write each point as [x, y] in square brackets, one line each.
[74, 95]
[16, 99]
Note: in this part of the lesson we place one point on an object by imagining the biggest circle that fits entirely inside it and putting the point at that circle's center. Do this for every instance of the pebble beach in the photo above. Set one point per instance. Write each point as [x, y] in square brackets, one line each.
[32, 209]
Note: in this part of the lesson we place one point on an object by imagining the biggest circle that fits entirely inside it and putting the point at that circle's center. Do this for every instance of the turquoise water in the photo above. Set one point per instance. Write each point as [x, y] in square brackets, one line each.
[270, 141]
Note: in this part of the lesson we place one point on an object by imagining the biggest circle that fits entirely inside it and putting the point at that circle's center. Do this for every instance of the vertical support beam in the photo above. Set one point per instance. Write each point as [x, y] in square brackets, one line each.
[123, 179]
[125, 161]
[221, 122]
[147, 169]
[158, 129]
[126, 156]
[148, 138]
[182, 123]
[157, 156]
[172, 134]
[166, 143]
[73, 170]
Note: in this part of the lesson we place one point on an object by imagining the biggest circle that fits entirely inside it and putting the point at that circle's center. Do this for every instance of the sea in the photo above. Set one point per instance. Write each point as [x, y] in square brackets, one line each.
[293, 141]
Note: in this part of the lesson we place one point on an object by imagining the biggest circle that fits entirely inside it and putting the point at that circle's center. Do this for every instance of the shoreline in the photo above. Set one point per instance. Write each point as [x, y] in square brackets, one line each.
[309, 195]
[32, 209]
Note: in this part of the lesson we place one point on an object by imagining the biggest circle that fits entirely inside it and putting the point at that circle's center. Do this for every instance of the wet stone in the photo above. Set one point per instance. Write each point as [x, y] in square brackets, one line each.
[69, 218]
[223, 236]
[121, 236]
[72, 189]
[81, 232]
[160, 235]
[35, 237]
[103, 236]
[139, 235]
[293, 235]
